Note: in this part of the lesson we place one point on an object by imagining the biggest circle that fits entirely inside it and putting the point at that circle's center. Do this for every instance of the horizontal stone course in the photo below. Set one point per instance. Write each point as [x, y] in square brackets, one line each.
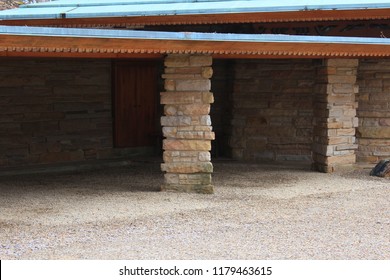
[272, 108]
[187, 124]
[187, 167]
[335, 115]
[61, 108]
[374, 110]
[186, 145]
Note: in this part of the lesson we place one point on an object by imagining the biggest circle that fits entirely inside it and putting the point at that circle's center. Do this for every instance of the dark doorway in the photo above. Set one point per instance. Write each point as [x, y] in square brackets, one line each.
[136, 103]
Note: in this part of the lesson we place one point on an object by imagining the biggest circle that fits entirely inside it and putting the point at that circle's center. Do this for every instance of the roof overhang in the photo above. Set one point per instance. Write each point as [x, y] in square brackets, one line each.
[265, 17]
[171, 12]
[73, 42]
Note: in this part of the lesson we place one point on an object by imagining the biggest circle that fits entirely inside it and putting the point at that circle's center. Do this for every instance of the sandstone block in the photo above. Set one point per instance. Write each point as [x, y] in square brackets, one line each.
[180, 97]
[368, 159]
[190, 135]
[342, 79]
[175, 120]
[187, 168]
[207, 72]
[169, 131]
[170, 178]
[343, 88]
[340, 160]
[177, 76]
[338, 140]
[194, 109]
[205, 120]
[169, 85]
[333, 124]
[186, 145]
[346, 147]
[206, 128]
[195, 179]
[170, 110]
[342, 62]
[193, 85]
[203, 189]
[204, 156]
[177, 60]
[201, 60]
[374, 132]
[207, 97]
[346, 132]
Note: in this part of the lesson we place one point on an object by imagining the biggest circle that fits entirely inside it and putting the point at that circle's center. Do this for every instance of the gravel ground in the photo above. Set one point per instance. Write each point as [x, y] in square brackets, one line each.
[257, 212]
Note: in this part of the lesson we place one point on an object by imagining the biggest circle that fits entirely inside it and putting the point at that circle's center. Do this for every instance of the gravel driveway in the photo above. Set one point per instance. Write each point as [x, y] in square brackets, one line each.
[257, 212]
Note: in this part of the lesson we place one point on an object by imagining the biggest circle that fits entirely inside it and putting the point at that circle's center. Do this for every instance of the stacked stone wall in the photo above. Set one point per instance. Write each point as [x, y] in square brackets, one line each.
[273, 110]
[374, 110]
[335, 105]
[187, 123]
[54, 111]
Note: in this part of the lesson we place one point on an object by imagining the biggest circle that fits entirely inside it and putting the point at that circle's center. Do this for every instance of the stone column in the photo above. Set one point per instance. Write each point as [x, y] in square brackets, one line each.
[187, 124]
[334, 141]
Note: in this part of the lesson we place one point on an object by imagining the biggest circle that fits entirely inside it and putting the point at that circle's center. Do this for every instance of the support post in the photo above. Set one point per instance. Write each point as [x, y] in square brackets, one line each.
[334, 141]
[186, 124]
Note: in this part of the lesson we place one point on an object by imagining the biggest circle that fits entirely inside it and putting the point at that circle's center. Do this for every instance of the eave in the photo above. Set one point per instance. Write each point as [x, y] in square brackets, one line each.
[87, 43]
[223, 18]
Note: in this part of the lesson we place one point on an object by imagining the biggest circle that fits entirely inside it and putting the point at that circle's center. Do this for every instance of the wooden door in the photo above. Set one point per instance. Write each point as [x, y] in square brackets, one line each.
[135, 103]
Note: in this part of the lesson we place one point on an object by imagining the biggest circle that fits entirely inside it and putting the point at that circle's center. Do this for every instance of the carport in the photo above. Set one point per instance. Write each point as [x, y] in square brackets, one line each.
[188, 60]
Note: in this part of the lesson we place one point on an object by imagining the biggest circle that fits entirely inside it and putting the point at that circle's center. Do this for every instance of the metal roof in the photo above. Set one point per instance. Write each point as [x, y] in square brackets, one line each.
[126, 8]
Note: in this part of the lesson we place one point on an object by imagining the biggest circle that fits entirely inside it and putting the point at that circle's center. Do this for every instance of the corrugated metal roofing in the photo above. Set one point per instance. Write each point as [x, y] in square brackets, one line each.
[185, 36]
[123, 8]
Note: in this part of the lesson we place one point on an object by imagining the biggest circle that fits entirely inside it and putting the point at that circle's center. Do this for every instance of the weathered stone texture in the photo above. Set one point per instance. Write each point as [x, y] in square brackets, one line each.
[334, 141]
[272, 109]
[187, 124]
[374, 110]
[54, 111]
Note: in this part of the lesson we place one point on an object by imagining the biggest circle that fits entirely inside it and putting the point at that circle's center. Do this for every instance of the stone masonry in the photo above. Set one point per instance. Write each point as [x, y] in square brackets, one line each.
[273, 110]
[54, 111]
[374, 110]
[187, 124]
[334, 141]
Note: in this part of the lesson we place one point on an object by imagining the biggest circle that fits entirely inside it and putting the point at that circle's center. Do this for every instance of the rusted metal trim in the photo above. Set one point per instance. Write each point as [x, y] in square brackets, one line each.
[22, 46]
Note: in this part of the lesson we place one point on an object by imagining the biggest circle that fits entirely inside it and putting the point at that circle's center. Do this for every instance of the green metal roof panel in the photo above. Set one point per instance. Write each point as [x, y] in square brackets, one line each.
[122, 8]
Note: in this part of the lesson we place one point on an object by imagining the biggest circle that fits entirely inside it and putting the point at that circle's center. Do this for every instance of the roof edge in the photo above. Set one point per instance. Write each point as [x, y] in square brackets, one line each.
[64, 43]
[223, 18]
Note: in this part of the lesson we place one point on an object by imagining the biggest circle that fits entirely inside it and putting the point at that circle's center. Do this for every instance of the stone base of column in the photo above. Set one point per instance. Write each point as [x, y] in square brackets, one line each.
[329, 164]
[203, 189]
[188, 177]
[332, 168]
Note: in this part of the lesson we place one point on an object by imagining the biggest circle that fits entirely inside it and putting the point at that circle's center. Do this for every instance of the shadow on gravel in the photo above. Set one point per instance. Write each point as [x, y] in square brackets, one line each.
[135, 177]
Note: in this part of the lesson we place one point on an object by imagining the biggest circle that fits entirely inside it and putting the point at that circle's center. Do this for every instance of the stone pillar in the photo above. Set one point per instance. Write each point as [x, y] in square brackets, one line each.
[187, 124]
[334, 141]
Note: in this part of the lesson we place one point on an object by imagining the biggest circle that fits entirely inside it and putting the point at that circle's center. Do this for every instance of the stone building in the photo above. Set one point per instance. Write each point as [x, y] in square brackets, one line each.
[249, 80]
